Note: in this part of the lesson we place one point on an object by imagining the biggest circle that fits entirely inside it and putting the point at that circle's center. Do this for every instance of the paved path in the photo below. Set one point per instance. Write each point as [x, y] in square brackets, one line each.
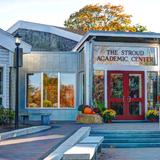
[130, 154]
[35, 146]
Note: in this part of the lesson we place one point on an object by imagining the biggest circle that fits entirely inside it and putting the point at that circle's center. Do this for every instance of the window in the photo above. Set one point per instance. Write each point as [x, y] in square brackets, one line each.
[152, 89]
[34, 90]
[51, 90]
[67, 89]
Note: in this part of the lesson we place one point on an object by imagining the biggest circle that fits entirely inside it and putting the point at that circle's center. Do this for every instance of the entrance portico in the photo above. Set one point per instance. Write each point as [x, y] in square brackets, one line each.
[123, 69]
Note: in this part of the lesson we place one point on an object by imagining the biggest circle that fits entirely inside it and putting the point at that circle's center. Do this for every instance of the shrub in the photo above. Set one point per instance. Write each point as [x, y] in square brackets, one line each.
[109, 114]
[6, 116]
[100, 107]
[152, 114]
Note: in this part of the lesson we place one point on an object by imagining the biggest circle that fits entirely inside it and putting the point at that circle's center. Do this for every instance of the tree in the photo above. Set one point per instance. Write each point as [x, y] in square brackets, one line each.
[102, 17]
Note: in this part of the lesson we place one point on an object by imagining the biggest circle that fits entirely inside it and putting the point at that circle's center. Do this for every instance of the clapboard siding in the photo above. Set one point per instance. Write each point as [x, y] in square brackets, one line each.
[5, 63]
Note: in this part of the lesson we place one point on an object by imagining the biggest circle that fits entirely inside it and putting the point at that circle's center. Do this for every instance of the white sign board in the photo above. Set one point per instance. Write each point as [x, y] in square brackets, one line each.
[105, 54]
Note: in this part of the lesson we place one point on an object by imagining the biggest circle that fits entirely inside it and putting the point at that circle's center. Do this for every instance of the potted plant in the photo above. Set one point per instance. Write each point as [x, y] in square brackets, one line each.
[152, 115]
[108, 115]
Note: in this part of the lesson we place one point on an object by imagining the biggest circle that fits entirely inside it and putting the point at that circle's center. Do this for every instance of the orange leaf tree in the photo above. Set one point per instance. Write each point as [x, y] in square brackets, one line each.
[102, 17]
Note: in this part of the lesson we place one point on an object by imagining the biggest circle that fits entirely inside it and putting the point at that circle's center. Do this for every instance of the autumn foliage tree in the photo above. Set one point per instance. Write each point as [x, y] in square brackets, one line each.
[102, 17]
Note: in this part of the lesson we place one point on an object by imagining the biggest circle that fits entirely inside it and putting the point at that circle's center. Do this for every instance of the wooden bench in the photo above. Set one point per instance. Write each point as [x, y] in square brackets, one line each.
[81, 152]
[93, 140]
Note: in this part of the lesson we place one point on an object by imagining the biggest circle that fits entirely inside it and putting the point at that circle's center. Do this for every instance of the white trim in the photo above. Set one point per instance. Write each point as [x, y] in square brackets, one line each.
[49, 108]
[41, 90]
[59, 88]
[125, 67]
[87, 70]
[106, 88]
[8, 41]
[117, 34]
[126, 44]
[145, 91]
[45, 28]
[4, 86]
[4, 80]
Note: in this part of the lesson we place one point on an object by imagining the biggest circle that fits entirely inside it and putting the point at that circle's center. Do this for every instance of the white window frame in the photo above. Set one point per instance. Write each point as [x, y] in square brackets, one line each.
[59, 83]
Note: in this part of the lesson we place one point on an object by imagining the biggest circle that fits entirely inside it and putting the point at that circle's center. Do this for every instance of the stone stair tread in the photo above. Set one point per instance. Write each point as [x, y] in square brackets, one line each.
[129, 145]
[129, 139]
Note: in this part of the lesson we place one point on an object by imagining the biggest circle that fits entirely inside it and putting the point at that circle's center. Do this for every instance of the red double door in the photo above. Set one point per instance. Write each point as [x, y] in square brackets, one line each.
[126, 94]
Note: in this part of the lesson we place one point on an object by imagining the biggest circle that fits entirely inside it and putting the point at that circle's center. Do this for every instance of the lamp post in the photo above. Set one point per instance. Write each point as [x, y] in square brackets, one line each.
[17, 52]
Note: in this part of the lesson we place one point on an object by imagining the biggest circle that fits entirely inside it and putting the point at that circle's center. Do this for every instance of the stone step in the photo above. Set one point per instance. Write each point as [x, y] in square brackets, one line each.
[132, 140]
[129, 139]
[130, 145]
[124, 132]
[129, 135]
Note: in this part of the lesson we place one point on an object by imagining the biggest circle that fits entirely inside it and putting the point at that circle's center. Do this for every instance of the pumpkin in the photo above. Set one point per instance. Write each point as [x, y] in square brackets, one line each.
[88, 110]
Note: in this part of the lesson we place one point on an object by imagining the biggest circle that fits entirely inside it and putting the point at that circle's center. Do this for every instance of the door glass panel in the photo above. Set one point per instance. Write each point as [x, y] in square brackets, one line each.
[118, 107]
[135, 108]
[116, 85]
[152, 80]
[135, 85]
[98, 86]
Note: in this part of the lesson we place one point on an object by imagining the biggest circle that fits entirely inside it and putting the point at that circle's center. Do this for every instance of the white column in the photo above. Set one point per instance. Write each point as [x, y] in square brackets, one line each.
[5, 86]
[87, 68]
[145, 91]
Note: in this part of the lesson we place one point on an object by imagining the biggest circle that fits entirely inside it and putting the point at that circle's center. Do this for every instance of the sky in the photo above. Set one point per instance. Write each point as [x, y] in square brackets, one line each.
[55, 12]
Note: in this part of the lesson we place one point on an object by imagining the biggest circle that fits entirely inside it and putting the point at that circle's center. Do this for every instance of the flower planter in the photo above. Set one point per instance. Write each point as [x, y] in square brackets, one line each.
[89, 118]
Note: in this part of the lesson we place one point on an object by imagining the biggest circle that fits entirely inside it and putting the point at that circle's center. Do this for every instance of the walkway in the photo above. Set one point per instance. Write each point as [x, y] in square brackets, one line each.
[36, 146]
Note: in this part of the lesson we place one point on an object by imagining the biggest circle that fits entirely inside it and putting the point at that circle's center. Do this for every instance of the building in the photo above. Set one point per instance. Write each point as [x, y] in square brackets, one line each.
[7, 48]
[66, 68]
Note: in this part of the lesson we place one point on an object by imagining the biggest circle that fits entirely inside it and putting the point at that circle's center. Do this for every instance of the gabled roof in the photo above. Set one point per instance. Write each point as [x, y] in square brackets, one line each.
[72, 30]
[45, 28]
[8, 41]
[133, 37]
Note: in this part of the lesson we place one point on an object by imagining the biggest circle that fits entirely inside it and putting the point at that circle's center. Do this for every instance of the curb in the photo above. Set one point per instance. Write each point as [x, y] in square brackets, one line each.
[72, 140]
[22, 132]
